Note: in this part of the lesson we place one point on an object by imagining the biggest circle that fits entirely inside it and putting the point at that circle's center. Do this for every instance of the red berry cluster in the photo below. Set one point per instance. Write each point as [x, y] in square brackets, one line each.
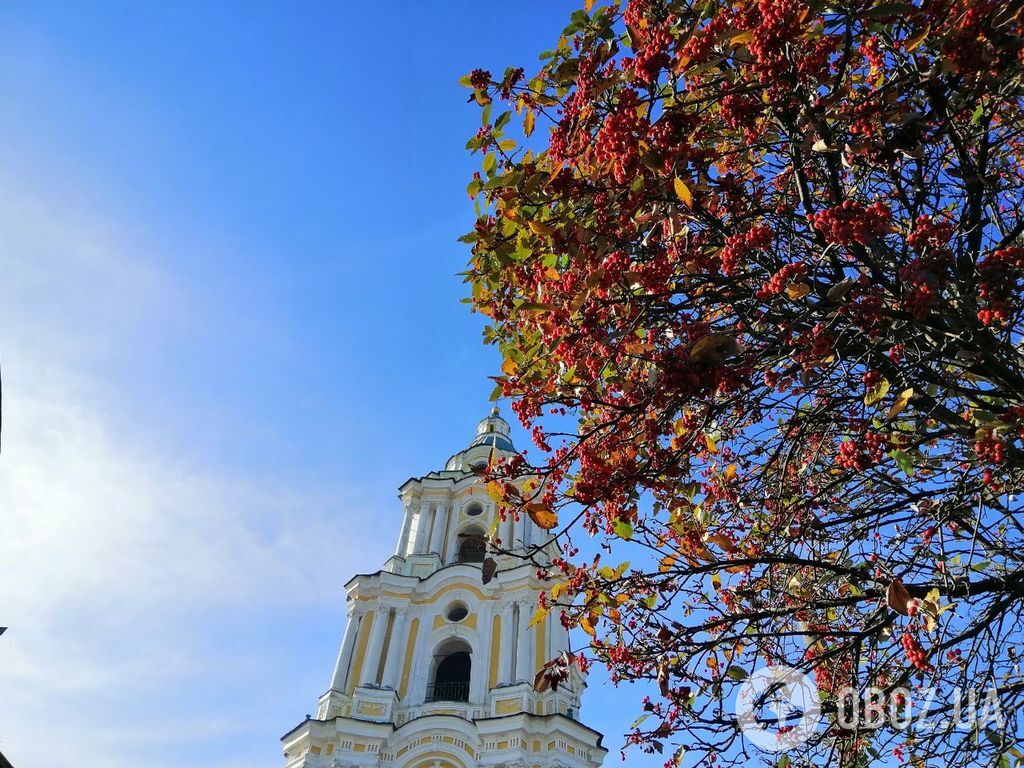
[929, 234]
[871, 378]
[871, 49]
[697, 48]
[738, 246]
[922, 283]
[617, 141]
[916, 654]
[652, 55]
[852, 222]
[990, 447]
[480, 78]
[772, 37]
[999, 275]
[862, 454]
[778, 282]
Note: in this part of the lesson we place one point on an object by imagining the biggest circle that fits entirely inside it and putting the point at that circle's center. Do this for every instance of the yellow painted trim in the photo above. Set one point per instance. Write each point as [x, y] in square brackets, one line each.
[495, 648]
[540, 629]
[410, 646]
[438, 622]
[445, 759]
[357, 664]
[468, 586]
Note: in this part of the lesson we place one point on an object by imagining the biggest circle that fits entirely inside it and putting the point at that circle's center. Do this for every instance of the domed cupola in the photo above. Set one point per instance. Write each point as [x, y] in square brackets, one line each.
[495, 431]
[492, 433]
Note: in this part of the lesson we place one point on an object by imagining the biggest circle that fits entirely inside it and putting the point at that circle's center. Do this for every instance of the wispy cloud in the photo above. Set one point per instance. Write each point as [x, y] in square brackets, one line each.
[139, 583]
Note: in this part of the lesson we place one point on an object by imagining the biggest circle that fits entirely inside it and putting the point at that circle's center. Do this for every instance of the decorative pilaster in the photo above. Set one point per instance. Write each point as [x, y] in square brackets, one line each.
[423, 520]
[411, 510]
[376, 644]
[507, 648]
[440, 523]
[396, 652]
[524, 654]
[344, 662]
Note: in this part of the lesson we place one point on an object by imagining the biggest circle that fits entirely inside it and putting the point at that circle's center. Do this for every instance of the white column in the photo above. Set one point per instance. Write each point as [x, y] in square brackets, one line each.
[524, 654]
[423, 527]
[510, 532]
[437, 534]
[396, 652]
[507, 647]
[452, 547]
[403, 538]
[479, 679]
[345, 653]
[375, 647]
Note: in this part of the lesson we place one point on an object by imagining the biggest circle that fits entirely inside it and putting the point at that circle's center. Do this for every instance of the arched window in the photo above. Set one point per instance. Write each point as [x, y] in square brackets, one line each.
[472, 546]
[452, 667]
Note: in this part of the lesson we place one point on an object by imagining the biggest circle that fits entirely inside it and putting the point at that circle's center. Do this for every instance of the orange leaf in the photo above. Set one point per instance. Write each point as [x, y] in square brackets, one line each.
[797, 290]
[542, 516]
[897, 597]
[587, 626]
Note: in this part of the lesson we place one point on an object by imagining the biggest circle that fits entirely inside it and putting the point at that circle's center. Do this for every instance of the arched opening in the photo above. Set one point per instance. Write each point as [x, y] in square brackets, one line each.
[452, 667]
[472, 546]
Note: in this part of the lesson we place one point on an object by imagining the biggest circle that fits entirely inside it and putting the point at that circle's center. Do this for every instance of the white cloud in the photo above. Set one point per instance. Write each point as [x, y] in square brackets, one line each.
[137, 586]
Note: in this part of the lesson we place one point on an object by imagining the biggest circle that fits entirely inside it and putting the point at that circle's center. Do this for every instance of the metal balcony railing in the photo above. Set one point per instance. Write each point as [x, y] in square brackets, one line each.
[448, 692]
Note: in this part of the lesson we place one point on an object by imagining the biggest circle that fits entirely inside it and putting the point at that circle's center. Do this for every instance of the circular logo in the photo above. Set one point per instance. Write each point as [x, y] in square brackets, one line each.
[777, 708]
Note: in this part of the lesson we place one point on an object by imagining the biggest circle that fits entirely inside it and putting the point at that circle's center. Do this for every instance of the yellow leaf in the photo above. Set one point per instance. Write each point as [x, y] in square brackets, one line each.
[528, 122]
[709, 441]
[542, 229]
[716, 581]
[797, 290]
[683, 192]
[730, 472]
[667, 562]
[539, 616]
[495, 490]
[551, 273]
[901, 402]
[509, 367]
[542, 516]
[877, 392]
[742, 38]
[915, 40]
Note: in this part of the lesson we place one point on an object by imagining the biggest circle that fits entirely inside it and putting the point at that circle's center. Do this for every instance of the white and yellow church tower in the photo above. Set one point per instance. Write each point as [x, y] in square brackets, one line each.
[436, 669]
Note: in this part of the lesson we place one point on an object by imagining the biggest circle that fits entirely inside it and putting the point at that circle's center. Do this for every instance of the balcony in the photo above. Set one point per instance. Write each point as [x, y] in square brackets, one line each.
[458, 691]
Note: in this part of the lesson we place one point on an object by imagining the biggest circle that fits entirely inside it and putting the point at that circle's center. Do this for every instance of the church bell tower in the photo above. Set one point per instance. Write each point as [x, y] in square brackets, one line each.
[436, 669]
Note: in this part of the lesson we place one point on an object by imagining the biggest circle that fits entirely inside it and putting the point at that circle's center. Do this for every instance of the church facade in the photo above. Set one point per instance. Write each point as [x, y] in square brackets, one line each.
[436, 669]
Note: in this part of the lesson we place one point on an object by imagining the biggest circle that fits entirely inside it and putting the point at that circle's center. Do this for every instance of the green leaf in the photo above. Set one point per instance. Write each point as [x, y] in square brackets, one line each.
[624, 530]
[903, 461]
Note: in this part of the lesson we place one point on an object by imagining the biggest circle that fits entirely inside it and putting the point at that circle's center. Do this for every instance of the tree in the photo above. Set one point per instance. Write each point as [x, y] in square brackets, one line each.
[754, 270]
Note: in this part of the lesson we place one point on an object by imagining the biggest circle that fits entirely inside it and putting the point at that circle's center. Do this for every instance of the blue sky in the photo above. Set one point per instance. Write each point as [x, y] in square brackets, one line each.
[229, 329]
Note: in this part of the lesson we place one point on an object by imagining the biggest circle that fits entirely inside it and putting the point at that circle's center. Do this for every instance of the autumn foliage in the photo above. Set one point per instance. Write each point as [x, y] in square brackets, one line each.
[755, 271]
